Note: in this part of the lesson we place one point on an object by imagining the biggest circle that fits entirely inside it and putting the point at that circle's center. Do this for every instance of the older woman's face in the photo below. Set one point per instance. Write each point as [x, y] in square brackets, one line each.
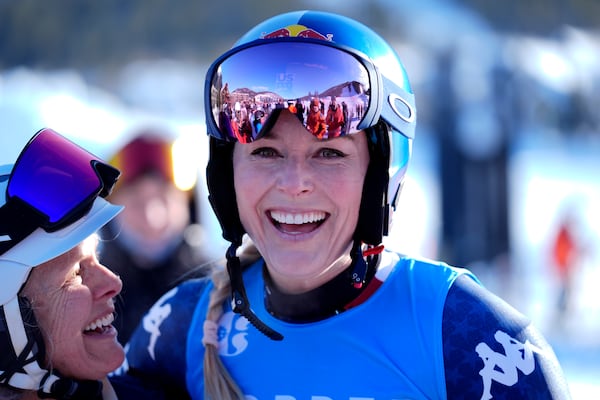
[299, 200]
[72, 297]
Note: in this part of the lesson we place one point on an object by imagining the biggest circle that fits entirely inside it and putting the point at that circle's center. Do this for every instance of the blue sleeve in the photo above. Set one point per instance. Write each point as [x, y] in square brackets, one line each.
[491, 351]
[155, 364]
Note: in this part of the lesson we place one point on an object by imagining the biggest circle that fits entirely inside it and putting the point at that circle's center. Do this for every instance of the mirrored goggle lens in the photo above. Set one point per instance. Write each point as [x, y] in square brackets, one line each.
[58, 178]
[327, 88]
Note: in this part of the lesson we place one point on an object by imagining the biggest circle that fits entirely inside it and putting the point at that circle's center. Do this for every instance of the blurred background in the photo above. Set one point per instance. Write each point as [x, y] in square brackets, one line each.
[505, 176]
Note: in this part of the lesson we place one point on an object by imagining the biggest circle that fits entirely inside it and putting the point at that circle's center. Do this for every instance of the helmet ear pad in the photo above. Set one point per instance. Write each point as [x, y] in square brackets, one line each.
[373, 215]
[221, 189]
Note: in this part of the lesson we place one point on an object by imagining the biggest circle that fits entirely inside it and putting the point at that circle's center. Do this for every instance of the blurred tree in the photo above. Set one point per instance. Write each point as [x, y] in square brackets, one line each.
[86, 34]
[542, 17]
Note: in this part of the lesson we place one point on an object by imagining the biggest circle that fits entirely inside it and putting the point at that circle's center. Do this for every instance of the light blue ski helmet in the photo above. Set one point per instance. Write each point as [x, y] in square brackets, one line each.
[282, 46]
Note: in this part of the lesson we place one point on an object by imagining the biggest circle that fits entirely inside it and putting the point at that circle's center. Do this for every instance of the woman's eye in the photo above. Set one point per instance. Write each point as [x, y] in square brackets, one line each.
[79, 269]
[266, 152]
[330, 153]
[74, 276]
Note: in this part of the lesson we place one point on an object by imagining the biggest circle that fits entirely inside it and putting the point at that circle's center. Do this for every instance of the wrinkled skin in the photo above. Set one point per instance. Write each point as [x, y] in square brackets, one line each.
[68, 293]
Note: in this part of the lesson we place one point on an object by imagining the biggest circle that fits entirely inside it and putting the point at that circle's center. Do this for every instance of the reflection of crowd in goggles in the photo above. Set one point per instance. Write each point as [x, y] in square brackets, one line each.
[245, 91]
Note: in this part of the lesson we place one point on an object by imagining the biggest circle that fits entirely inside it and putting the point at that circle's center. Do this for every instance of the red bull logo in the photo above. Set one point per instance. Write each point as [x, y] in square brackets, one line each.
[297, 31]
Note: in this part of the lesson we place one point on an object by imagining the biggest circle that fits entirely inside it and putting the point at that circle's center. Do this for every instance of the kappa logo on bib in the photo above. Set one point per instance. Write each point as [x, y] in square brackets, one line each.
[232, 333]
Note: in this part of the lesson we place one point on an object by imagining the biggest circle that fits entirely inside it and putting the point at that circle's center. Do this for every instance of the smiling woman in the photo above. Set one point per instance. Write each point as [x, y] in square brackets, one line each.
[56, 300]
[71, 296]
[318, 308]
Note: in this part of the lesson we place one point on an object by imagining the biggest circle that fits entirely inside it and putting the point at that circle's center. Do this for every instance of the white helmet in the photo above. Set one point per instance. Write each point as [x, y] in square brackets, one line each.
[29, 237]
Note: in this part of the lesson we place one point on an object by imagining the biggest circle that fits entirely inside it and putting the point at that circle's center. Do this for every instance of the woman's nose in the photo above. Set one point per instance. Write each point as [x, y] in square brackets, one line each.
[104, 282]
[295, 177]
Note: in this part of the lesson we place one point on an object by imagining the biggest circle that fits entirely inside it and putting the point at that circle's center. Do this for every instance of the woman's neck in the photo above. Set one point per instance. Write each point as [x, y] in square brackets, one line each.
[322, 302]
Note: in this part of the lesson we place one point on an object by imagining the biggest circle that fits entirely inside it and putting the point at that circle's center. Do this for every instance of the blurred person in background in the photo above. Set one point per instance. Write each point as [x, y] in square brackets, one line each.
[156, 240]
[57, 338]
[570, 246]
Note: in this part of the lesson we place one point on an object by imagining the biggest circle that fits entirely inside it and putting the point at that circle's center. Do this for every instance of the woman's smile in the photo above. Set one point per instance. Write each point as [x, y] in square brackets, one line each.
[295, 223]
[101, 325]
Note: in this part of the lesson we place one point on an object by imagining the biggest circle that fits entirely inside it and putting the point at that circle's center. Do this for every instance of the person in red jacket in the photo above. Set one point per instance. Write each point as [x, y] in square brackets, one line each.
[567, 252]
[334, 119]
[315, 122]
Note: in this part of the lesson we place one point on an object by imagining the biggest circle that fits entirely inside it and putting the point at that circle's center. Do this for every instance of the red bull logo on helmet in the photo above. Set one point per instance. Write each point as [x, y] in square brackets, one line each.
[297, 31]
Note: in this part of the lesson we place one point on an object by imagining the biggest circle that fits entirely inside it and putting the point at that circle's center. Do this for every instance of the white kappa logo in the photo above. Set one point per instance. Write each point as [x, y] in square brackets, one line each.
[502, 368]
[233, 330]
[155, 317]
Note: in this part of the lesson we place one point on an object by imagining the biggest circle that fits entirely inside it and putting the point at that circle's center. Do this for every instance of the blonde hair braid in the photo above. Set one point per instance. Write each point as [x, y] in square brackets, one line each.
[218, 383]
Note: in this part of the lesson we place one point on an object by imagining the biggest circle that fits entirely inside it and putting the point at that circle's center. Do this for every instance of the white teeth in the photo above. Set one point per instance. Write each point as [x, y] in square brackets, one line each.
[100, 322]
[297, 219]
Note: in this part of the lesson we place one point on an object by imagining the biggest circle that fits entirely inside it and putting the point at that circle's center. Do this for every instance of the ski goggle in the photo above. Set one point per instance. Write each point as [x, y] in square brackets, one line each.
[53, 183]
[249, 84]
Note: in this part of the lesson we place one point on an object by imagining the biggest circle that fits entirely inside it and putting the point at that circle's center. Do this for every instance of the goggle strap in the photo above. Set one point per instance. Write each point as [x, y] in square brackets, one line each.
[16, 223]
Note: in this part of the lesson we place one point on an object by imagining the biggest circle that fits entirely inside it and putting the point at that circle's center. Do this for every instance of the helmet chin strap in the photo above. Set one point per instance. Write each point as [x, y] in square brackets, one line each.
[363, 260]
[239, 300]
[28, 352]
[359, 272]
[364, 265]
[56, 387]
